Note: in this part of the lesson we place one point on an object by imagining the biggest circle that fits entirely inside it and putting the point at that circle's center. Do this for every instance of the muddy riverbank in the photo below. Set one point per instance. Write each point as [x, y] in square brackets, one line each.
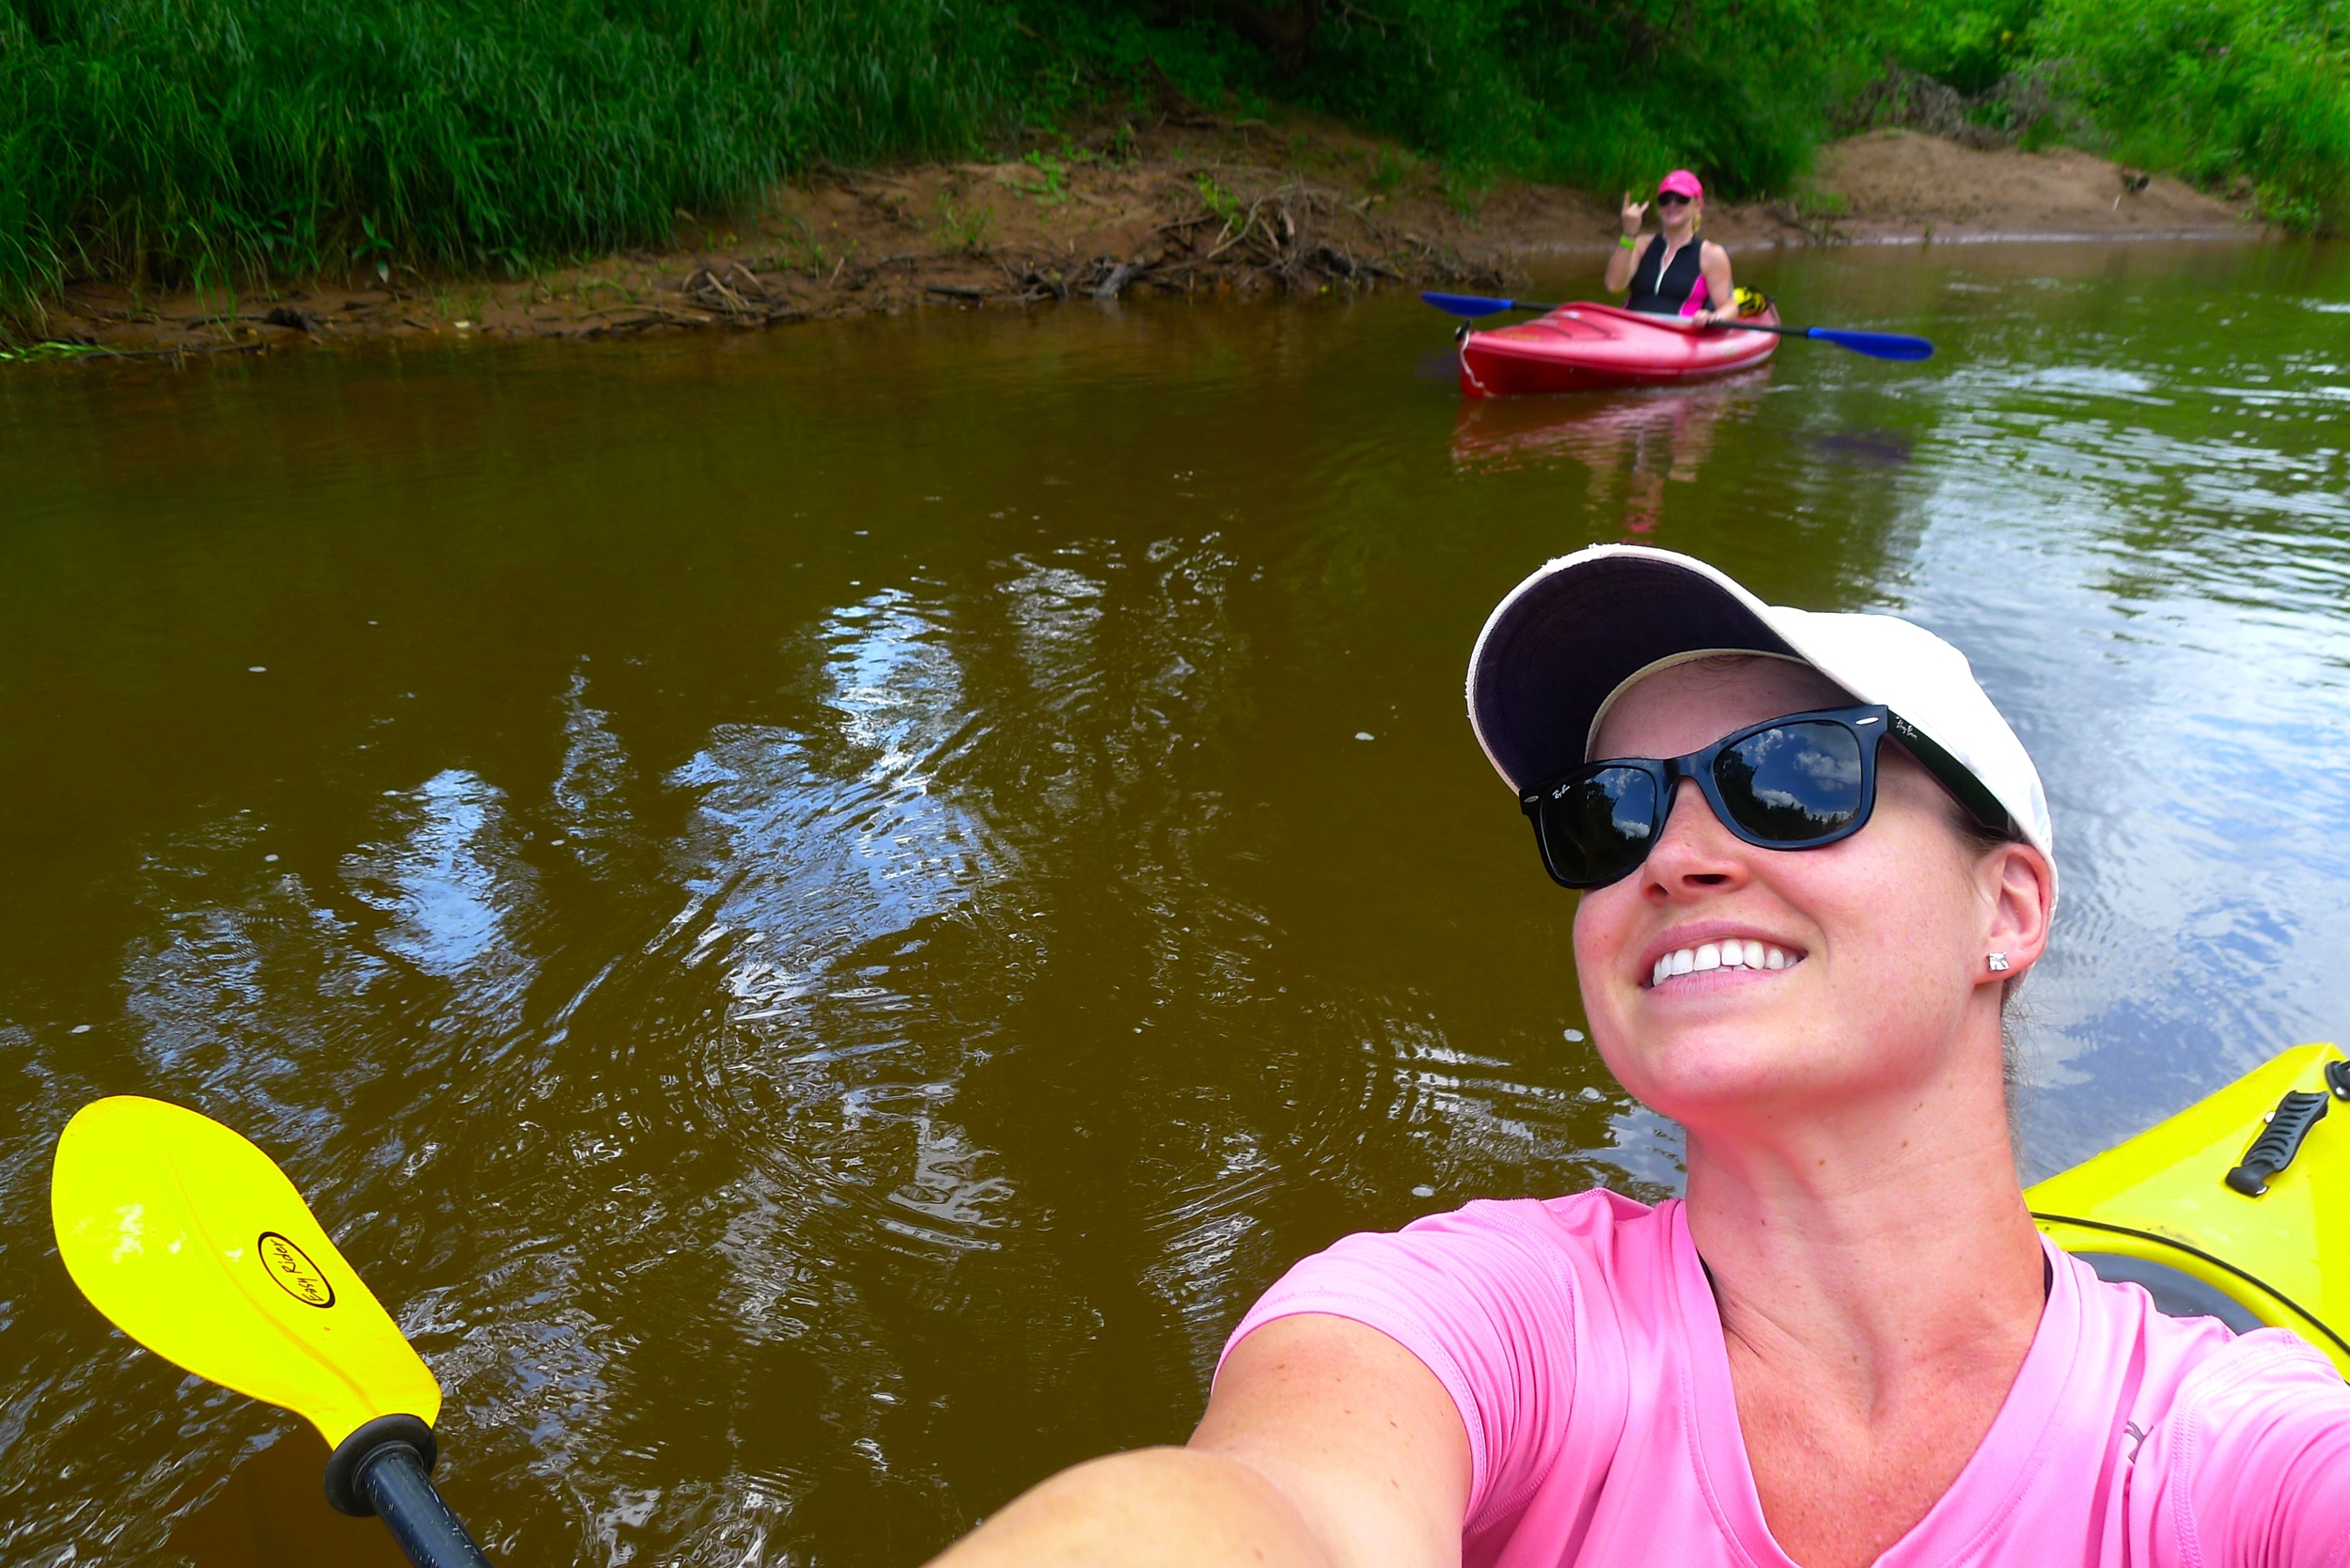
[1192, 206]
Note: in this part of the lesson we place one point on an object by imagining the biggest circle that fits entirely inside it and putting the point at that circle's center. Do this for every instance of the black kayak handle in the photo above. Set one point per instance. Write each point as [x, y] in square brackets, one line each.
[2288, 1124]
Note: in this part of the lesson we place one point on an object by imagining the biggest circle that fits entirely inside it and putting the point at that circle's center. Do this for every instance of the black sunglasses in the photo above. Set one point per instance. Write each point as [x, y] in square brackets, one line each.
[1799, 782]
[1672, 198]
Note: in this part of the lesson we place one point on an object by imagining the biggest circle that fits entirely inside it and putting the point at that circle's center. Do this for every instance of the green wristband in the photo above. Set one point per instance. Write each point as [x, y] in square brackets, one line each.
[1629, 241]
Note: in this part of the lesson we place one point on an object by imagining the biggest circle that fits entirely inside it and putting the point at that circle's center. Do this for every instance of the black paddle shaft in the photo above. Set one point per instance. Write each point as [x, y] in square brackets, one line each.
[394, 1480]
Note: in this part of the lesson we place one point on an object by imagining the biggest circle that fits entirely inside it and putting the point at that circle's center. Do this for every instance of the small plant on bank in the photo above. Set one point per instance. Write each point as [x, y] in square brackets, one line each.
[813, 258]
[1463, 192]
[373, 253]
[1051, 189]
[1388, 168]
[966, 230]
[1215, 199]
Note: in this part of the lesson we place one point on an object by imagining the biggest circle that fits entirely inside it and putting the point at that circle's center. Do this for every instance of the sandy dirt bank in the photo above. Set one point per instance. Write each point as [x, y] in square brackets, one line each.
[1193, 206]
[1904, 185]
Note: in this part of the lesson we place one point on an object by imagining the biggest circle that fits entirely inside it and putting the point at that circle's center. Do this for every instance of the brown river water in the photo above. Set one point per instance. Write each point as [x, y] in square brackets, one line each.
[819, 912]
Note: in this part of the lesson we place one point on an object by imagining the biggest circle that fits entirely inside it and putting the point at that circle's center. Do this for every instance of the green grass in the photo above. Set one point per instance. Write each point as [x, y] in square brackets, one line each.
[1596, 92]
[226, 142]
[2221, 91]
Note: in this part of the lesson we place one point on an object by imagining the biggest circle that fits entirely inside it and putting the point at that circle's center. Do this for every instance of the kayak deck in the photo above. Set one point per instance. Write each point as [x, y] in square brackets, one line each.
[2165, 1201]
[1584, 346]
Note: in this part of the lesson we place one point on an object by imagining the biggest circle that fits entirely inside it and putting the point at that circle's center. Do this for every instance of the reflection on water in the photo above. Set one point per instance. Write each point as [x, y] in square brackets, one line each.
[820, 912]
[1637, 440]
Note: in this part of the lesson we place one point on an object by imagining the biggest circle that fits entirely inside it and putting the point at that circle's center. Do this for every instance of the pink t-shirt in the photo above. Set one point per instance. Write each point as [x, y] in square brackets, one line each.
[1582, 1346]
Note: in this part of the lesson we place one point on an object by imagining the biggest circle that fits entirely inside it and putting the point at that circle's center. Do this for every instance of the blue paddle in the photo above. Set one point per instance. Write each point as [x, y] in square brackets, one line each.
[1877, 345]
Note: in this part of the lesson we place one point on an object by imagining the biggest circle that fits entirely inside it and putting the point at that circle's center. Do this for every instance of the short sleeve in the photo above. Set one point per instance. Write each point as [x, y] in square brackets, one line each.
[1486, 1298]
[2258, 1472]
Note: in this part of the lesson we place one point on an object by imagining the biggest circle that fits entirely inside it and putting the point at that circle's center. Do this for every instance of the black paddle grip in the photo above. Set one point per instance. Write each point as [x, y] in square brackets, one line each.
[420, 1522]
[2288, 1124]
[383, 1469]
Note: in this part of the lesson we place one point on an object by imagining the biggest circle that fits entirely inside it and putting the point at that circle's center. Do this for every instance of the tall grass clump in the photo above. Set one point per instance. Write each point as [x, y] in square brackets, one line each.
[1597, 92]
[2256, 92]
[1603, 93]
[215, 139]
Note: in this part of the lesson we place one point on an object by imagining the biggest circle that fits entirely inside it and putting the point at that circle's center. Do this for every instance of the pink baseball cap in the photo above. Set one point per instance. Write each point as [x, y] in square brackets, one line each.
[1682, 181]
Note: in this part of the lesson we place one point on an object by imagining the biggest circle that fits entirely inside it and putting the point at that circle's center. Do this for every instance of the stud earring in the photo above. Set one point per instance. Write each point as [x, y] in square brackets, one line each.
[1998, 964]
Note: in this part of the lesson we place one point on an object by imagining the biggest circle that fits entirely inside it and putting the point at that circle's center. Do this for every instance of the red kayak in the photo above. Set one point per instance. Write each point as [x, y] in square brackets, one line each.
[1579, 347]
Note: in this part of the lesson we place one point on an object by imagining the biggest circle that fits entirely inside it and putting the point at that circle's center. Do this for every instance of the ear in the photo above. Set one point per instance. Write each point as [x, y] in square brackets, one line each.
[2019, 890]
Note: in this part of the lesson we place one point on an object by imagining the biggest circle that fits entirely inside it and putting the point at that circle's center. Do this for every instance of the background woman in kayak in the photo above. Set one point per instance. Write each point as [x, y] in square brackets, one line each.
[1676, 272]
[1814, 861]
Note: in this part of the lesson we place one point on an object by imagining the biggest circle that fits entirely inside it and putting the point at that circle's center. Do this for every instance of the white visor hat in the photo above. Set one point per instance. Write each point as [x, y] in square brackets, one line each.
[1557, 652]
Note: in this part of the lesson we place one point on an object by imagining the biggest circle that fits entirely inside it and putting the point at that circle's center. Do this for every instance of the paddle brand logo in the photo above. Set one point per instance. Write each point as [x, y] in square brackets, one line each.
[294, 1274]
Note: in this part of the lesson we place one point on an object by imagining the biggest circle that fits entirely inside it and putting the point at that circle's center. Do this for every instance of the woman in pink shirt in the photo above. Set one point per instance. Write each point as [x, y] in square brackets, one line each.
[1813, 862]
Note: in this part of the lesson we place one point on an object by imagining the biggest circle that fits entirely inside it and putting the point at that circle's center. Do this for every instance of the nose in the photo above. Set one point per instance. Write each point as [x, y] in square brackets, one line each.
[1695, 854]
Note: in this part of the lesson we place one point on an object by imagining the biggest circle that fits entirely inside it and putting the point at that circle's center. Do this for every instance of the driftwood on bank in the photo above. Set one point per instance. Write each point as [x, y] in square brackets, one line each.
[1233, 231]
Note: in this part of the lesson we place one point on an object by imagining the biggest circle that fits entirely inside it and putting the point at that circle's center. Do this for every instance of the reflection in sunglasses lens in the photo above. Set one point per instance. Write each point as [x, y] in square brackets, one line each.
[1792, 782]
[1597, 828]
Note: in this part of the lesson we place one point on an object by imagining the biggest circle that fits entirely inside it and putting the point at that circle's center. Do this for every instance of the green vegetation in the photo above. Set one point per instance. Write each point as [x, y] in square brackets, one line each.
[222, 141]
[1607, 93]
[1215, 199]
[2256, 92]
[964, 228]
[34, 353]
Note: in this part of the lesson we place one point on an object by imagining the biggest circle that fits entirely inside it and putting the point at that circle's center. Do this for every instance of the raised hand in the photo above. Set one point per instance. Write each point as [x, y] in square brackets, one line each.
[1633, 212]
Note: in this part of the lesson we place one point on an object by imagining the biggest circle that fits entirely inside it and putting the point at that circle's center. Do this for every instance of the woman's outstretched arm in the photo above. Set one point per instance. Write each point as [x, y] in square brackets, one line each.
[1325, 1445]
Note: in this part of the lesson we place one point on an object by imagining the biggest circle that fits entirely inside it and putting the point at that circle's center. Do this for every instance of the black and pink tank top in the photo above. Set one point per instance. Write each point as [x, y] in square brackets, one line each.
[1663, 285]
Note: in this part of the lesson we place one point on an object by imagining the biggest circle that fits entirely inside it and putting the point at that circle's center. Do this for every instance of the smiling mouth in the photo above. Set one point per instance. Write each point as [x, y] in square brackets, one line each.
[1706, 957]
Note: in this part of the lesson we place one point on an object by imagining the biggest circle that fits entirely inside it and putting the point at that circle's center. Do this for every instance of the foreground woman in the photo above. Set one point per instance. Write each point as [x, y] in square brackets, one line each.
[1814, 859]
[1676, 272]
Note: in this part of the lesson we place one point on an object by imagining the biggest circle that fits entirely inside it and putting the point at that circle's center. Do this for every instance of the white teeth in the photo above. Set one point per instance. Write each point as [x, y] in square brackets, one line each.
[1724, 955]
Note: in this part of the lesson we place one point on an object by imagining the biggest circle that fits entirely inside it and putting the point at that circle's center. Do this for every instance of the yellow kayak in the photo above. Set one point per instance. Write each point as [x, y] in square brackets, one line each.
[2236, 1208]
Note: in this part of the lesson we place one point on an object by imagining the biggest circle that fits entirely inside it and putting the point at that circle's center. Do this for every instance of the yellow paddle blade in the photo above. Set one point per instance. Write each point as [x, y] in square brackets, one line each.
[197, 1246]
